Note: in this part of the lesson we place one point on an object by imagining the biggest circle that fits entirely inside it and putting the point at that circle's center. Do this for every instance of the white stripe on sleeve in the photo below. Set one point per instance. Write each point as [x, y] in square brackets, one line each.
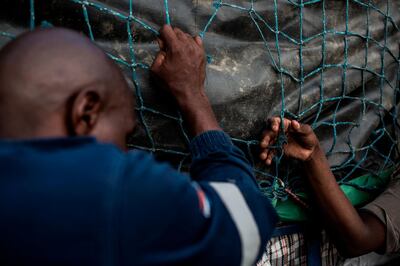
[243, 219]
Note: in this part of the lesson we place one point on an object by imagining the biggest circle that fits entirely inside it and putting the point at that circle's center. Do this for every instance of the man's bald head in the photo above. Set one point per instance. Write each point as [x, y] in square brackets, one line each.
[55, 82]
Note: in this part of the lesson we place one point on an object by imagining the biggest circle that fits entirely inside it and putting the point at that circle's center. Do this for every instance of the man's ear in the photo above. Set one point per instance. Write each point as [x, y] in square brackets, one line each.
[85, 111]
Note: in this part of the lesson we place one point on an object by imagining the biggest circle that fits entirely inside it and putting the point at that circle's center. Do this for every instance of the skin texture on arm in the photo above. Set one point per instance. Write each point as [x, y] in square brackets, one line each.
[180, 63]
[355, 233]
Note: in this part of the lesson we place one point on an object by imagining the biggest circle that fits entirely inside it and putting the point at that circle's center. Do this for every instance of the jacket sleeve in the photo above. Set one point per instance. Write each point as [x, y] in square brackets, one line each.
[219, 217]
[221, 166]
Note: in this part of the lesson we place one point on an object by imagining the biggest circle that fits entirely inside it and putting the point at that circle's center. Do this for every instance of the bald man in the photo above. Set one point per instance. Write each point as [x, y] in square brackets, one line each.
[71, 195]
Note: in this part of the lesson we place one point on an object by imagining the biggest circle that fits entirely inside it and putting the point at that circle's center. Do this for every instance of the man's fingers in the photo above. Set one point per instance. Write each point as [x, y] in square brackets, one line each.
[286, 124]
[158, 61]
[303, 129]
[199, 41]
[267, 155]
[295, 125]
[264, 155]
[168, 36]
[160, 44]
[268, 139]
[270, 156]
[276, 123]
[265, 140]
[180, 34]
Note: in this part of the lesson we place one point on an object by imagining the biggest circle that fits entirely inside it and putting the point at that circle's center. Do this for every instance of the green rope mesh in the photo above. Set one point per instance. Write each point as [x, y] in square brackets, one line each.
[268, 178]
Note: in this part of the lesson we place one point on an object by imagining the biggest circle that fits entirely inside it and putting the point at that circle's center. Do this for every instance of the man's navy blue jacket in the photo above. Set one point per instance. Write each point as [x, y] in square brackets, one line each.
[74, 201]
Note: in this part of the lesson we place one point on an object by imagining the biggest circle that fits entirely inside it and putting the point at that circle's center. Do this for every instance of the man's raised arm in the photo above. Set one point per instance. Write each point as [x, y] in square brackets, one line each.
[355, 233]
[219, 217]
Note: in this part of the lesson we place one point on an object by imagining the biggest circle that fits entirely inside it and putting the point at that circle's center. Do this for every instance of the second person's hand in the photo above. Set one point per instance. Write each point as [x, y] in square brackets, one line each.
[301, 144]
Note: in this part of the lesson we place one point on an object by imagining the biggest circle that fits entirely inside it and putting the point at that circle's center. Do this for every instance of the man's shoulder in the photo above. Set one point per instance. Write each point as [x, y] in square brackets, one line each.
[83, 156]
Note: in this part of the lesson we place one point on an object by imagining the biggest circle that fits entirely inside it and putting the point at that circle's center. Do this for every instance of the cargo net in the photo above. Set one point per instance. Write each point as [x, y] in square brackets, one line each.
[376, 154]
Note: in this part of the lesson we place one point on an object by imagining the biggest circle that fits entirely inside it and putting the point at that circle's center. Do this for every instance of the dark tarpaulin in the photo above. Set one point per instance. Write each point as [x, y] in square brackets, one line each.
[333, 64]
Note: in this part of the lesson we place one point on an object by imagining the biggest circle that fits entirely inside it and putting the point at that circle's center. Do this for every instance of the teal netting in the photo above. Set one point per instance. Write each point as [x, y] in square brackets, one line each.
[324, 111]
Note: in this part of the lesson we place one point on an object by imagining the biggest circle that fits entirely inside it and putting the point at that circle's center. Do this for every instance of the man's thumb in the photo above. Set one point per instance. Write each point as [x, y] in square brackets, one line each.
[300, 128]
[295, 125]
[158, 61]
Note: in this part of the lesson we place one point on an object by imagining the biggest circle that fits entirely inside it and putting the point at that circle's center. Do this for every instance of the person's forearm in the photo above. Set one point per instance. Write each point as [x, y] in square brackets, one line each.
[198, 114]
[348, 228]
